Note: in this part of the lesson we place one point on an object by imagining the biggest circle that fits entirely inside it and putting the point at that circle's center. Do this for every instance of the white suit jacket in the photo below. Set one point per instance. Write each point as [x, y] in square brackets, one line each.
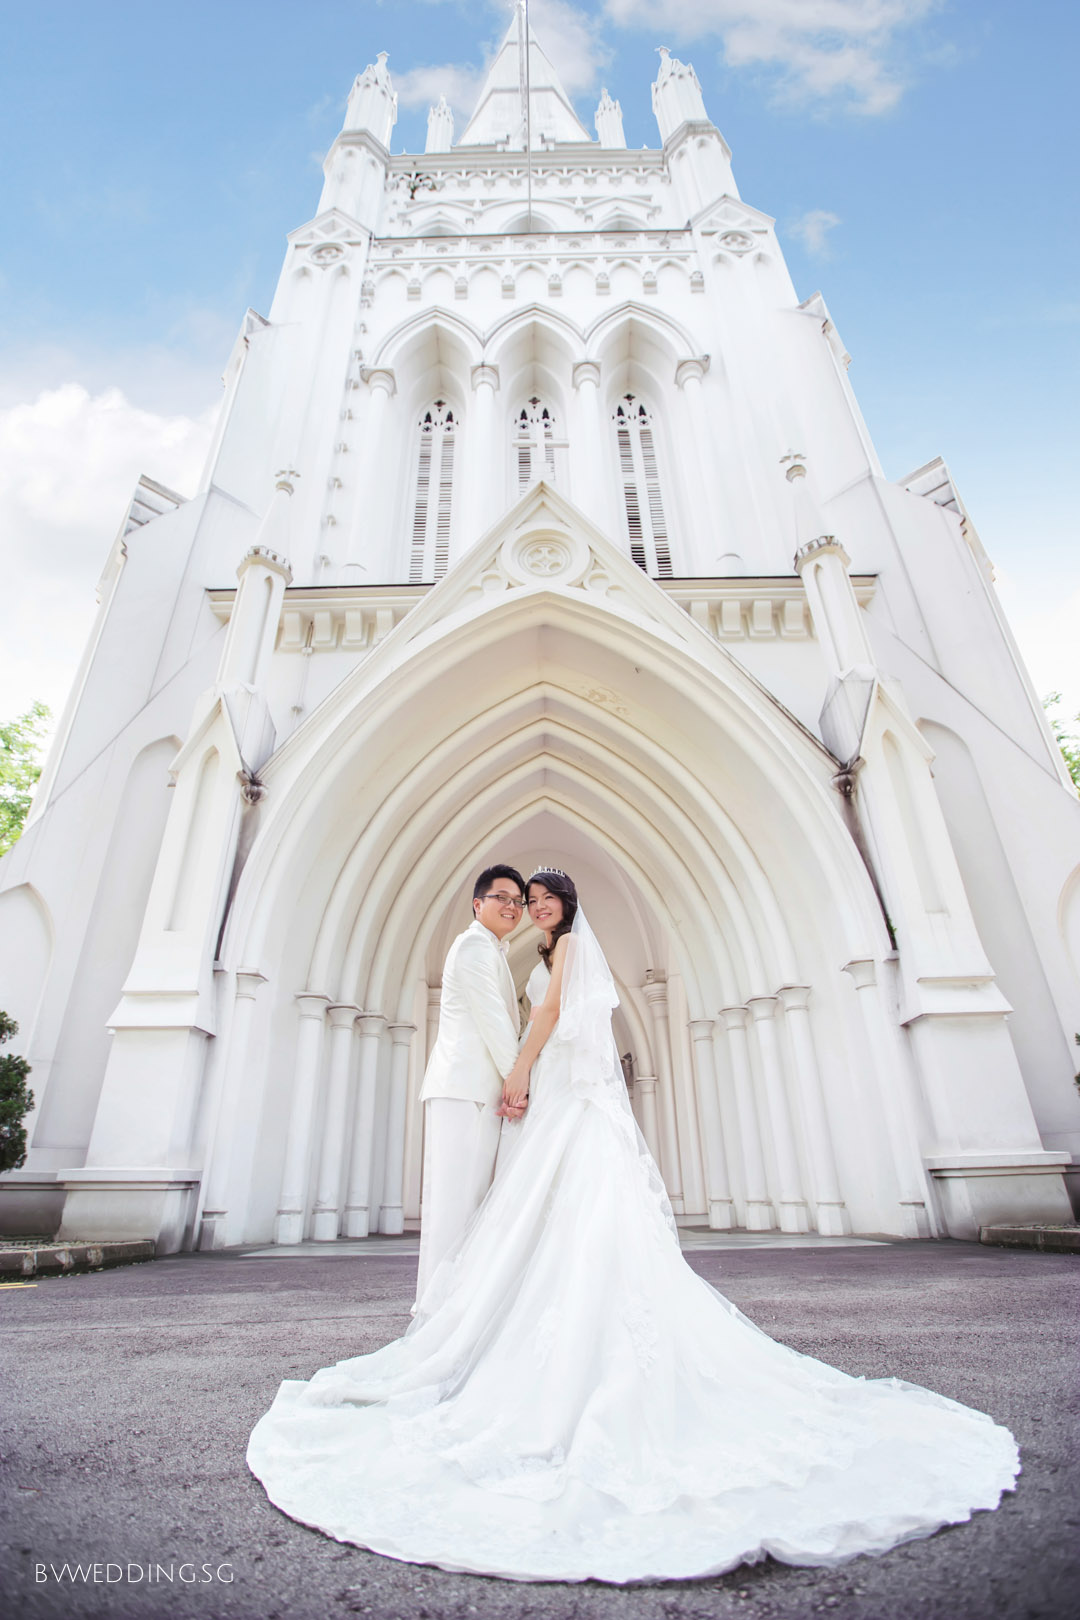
[477, 1043]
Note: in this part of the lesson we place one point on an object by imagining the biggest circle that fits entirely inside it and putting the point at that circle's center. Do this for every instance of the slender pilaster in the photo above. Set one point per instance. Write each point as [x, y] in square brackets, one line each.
[369, 542]
[648, 1118]
[358, 1222]
[794, 1216]
[434, 1005]
[916, 1219]
[392, 1214]
[485, 461]
[832, 1215]
[588, 465]
[718, 1185]
[656, 994]
[233, 1121]
[759, 1210]
[324, 1226]
[710, 509]
[292, 1199]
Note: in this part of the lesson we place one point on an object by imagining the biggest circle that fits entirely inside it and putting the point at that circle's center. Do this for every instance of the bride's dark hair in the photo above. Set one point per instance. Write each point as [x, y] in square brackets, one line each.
[556, 883]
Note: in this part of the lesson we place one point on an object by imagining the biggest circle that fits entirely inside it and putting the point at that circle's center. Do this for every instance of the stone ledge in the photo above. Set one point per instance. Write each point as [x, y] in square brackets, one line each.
[48, 1258]
[1063, 1239]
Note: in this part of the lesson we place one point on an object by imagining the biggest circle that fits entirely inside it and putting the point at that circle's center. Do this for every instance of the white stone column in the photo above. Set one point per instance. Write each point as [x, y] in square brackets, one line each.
[589, 486]
[485, 462]
[838, 619]
[718, 1185]
[832, 1215]
[759, 1209]
[234, 1101]
[392, 1214]
[709, 514]
[324, 1226]
[881, 1039]
[292, 1199]
[358, 1222]
[369, 543]
[794, 1216]
[434, 1006]
[656, 994]
[645, 1094]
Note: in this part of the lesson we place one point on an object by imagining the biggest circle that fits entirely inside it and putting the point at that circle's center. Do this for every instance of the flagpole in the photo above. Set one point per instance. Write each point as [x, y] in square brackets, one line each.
[526, 101]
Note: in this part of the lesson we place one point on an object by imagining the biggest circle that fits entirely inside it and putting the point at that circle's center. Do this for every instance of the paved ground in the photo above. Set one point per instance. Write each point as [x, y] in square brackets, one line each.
[131, 1393]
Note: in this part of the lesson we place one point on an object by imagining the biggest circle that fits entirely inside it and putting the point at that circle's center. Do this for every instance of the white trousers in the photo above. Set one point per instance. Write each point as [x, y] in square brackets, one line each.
[461, 1142]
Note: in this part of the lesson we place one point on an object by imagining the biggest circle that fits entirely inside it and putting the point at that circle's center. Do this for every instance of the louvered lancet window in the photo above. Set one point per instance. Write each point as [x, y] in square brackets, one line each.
[534, 444]
[430, 550]
[645, 520]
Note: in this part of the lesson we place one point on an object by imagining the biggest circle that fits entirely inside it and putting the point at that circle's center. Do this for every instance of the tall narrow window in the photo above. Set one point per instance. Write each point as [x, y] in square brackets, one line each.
[430, 550]
[534, 444]
[645, 520]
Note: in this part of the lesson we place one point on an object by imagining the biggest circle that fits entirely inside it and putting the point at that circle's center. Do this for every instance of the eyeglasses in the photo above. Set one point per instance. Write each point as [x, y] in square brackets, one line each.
[507, 900]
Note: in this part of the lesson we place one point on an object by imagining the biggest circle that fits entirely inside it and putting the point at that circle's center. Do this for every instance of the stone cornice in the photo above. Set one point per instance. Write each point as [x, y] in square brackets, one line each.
[564, 158]
[355, 618]
[658, 239]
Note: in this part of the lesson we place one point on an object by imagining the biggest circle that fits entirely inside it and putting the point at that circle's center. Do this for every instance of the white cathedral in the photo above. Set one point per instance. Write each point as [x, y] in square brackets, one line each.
[541, 524]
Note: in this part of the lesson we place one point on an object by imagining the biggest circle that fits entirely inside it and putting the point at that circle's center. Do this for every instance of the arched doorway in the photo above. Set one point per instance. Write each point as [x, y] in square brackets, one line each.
[600, 731]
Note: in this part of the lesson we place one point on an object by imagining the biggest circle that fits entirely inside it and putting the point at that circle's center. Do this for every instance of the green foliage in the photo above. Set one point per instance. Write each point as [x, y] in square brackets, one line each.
[20, 768]
[16, 1099]
[1068, 740]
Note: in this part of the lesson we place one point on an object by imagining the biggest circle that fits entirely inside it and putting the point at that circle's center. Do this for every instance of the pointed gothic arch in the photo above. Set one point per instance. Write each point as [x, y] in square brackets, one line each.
[614, 727]
[538, 323]
[632, 321]
[423, 334]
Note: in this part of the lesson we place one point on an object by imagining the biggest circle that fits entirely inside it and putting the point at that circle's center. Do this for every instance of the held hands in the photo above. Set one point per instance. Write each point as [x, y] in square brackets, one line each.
[515, 1097]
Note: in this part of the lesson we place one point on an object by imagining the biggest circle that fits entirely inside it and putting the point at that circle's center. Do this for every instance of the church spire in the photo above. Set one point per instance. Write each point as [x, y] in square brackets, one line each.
[372, 102]
[440, 127]
[498, 118]
[676, 95]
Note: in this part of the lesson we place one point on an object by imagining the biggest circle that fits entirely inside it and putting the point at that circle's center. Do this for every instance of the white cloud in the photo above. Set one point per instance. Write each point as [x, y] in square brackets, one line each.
[571, 39]
[1046, 631]
[812, 230]
[822, 51]
[568, 35]
[69, 462]
[422, 87]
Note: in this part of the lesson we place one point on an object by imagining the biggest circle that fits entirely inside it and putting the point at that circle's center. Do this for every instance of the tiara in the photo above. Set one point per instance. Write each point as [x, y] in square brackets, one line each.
[546, 871]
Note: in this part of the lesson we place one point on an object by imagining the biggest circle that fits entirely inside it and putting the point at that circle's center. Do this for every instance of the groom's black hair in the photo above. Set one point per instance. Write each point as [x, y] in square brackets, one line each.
[489, 875]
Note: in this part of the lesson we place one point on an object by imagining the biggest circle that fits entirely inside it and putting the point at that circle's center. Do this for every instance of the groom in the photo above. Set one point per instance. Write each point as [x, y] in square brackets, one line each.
[475, 1050]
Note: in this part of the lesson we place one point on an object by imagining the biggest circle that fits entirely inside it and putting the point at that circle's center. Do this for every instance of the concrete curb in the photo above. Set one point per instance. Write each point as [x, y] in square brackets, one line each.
[38, 1260]
[1064, 1239]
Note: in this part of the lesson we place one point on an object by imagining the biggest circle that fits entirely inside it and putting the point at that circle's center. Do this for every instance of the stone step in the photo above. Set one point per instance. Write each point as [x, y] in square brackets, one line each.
[1063, 1239]
[44, 1259]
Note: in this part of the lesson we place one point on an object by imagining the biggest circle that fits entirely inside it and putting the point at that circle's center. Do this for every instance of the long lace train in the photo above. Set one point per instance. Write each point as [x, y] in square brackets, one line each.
[574, 1402]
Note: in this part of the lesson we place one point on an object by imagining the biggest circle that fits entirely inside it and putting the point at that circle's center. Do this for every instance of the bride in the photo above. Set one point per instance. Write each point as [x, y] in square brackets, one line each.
[573, 1402]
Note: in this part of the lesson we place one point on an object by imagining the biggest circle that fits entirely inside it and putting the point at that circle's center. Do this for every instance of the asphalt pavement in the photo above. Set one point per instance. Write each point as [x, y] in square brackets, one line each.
[130, 1394]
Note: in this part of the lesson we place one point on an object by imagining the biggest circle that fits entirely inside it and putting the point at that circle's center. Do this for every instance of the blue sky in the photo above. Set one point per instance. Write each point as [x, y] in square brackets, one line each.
[918, 155]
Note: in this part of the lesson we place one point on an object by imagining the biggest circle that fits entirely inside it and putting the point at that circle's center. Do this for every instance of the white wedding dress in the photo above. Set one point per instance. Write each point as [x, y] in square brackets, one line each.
[573, 1402]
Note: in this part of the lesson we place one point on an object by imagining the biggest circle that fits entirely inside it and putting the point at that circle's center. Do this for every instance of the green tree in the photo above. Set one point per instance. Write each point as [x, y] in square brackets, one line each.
[16, 1099]
[20, 767]
[1068, 740]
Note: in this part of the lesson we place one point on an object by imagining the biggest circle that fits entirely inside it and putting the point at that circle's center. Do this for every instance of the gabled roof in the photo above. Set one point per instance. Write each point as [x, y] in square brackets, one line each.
[498, 115]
